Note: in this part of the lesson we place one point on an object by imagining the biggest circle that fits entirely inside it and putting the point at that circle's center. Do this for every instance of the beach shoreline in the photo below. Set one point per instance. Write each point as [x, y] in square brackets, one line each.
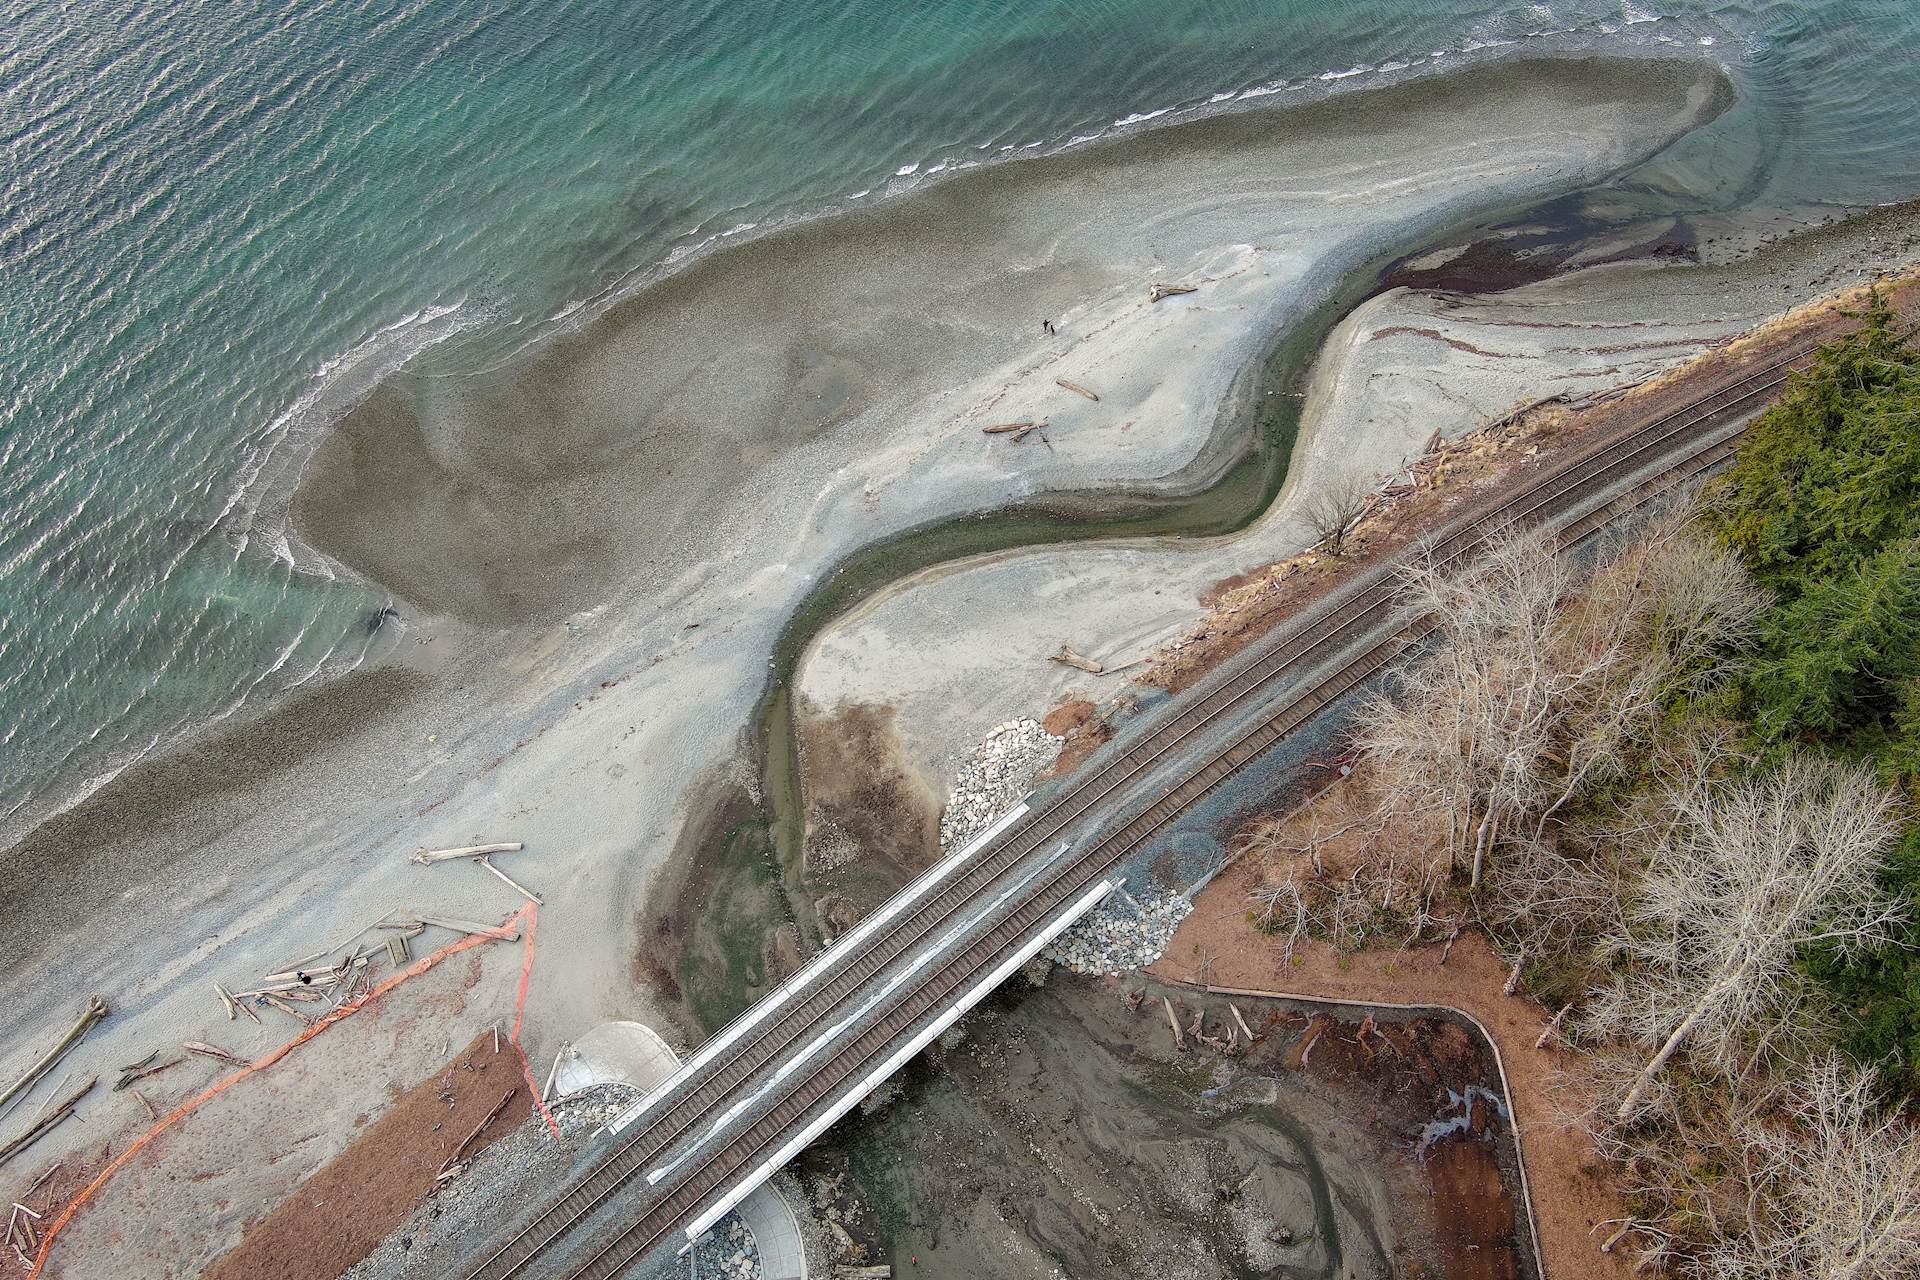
[578, 706]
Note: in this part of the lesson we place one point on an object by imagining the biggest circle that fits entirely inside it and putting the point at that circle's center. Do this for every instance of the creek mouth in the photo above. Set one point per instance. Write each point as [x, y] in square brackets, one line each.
[1060, 1131]
[743, 908]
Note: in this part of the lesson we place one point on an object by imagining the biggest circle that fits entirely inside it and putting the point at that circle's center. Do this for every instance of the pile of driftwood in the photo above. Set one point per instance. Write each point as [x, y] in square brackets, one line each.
[23, 1231]
[313, 986]
[1238, 1039]
[54, 1113]
[305, 991]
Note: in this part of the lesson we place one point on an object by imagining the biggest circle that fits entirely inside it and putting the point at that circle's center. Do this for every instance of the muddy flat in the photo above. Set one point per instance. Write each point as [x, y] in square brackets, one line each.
[1064, 1134]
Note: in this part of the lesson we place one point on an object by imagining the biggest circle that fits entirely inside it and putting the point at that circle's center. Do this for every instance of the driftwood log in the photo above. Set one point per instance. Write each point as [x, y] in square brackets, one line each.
[460, 1151]
[41, 1127]
[513, 884]
[1078, 390]
[1552, 1028]
[426, 857]
[1072, 657]
[96, 1009]
[1179, 1040]
[215, 1052]
[1155, 292]
[468, 926]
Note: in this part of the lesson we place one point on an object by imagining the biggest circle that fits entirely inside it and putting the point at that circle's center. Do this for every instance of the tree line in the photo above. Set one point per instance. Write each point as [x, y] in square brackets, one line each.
[1676, 787]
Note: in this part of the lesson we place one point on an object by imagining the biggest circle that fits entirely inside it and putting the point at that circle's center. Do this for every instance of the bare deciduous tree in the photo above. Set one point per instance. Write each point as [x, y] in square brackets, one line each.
[1539, 683]
[1469, 724]
[1332, 507]
[1744, 875]
[1656, 620]
[1833, 1192]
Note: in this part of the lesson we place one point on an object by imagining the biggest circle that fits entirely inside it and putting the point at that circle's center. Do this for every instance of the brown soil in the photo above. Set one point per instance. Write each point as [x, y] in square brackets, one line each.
[338, 1215]
[858, 785]
[1458, 474]
[1407, 1069]
[1085, 729]
[1067, 717]
[1572, 1192]
[1474, 1214]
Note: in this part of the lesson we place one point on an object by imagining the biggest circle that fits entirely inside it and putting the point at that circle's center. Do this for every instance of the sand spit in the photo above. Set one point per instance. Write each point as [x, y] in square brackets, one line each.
[596, 552]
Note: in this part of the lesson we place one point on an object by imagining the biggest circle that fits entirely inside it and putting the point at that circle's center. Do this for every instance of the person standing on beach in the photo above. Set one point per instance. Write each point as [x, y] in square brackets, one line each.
[1046, 327]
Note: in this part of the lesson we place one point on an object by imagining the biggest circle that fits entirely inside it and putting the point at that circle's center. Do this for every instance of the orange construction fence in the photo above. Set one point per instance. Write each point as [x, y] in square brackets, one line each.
[527, 917]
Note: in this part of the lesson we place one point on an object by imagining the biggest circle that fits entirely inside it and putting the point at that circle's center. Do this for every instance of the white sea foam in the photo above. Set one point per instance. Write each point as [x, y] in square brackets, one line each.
[907, 170]
[1140, 116]
[256, 504]
[1634, 15]
[1347, 74]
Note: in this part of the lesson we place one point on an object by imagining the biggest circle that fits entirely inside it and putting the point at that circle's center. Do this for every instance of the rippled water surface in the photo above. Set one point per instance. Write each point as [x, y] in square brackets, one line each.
[223, 221]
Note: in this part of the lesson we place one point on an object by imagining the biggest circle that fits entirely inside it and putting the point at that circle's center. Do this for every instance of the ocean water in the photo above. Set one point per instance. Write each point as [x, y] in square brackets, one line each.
[220, 223]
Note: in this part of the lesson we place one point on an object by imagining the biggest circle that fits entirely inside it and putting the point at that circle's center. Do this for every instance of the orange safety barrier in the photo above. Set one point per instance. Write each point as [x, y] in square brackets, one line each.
[532, 914]
[526, 917]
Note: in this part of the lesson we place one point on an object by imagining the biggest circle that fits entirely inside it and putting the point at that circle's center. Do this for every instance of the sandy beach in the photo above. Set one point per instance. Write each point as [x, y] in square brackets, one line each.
[596, 551]
[956, 650]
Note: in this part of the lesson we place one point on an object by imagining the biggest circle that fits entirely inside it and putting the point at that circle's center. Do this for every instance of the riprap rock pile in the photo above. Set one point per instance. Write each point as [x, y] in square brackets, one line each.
[999, 772]
[1122, 934]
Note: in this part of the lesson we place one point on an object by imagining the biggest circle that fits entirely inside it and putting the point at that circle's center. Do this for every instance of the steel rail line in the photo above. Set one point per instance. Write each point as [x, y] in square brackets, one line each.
[1219, 694]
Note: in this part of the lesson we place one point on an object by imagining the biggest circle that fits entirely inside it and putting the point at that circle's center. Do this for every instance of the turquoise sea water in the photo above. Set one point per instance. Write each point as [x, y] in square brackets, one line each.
[221, 222]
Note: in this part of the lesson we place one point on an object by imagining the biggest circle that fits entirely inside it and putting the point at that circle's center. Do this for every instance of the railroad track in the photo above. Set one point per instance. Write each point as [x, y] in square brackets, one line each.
[1355, 628]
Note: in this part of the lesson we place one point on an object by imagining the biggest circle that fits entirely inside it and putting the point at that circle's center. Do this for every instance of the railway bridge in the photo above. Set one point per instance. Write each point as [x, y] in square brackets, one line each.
[774, 1079]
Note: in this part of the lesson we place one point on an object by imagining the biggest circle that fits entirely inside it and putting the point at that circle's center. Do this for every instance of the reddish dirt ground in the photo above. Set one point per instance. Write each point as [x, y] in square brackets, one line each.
[338, 1215]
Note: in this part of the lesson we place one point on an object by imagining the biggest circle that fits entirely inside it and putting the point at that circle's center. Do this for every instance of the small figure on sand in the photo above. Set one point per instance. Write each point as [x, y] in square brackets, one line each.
[1046, 327]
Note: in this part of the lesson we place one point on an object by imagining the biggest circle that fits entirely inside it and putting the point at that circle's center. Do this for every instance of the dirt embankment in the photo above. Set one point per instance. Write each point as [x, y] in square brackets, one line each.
[339, 1214]
[1456, 475]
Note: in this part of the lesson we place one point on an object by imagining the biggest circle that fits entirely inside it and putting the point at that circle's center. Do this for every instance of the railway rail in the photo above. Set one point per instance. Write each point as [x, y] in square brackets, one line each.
[1347, 638]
